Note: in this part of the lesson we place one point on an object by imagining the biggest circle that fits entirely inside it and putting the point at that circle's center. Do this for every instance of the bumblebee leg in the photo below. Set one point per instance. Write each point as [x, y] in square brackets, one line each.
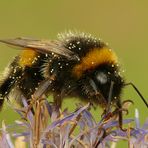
[120, 120]
[120, 110]
[57, 100]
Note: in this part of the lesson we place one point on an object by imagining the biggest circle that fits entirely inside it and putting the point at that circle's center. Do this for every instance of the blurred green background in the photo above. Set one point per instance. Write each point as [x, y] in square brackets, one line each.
[123, 24]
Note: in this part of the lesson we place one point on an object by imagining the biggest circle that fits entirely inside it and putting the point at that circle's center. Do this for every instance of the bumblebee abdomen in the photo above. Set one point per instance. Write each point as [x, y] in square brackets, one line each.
[22, 75]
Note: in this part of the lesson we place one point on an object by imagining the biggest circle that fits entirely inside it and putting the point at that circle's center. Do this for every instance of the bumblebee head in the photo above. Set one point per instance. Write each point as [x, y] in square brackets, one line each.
[95, 85]
[103, 77]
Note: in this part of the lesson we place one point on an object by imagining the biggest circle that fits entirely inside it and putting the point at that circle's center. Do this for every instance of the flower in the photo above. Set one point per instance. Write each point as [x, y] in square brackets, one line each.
[45, 125]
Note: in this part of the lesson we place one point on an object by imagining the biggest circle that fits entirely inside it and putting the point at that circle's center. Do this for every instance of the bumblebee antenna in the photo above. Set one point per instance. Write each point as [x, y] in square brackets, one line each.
[138, 92]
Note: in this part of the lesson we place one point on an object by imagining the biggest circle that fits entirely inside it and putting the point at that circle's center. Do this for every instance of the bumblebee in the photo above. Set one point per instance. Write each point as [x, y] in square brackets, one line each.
[74, 65]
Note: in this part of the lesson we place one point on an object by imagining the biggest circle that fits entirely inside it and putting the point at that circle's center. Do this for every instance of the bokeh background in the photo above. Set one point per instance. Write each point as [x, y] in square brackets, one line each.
[123, 24]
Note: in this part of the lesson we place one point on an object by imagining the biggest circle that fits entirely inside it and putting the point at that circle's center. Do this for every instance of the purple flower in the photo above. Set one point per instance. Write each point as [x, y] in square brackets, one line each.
[49, 126]
[5, 140]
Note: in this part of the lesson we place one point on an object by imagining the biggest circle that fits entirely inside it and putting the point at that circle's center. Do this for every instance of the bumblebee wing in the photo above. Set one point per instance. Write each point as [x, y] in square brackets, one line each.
[43, 46]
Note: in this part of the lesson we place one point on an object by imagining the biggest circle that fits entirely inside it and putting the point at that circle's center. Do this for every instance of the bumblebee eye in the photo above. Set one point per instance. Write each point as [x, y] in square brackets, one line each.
[101, 77]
